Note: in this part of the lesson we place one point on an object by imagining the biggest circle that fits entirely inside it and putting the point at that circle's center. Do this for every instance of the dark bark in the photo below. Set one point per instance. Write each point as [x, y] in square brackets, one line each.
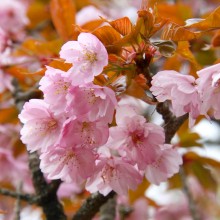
[171, 122]
[91, 206]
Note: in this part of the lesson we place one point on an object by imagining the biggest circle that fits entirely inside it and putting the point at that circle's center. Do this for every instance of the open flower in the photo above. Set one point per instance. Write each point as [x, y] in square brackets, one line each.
[113, 173]
[13, 14]
[69, 164]
[165, 165]
[92, 102]
[88, 56]
[209, 89]
[83, 133]
[55, 85]
[180, 89]
[134, 138]
[41, 128]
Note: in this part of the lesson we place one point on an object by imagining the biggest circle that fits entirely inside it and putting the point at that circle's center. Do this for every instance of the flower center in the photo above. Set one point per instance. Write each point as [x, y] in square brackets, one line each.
[108, 174]
[61, 87]
[91, 57]
[136, 138]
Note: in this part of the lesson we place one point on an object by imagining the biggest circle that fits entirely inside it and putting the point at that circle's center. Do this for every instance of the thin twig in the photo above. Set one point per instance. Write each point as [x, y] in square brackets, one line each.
[17, 208]
[191, 202]
[31, 199]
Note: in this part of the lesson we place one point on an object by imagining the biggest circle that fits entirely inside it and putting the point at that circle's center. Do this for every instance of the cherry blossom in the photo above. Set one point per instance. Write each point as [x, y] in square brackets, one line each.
[5, 82]
[4, 41]
[113, 173]
[55, 85]
[41, 128]
[92, 101]
[88, 56]
[7, 162]
[68, 163]
[13, 14]
[180, 89]
[135, 138]
[69, 189]
[83, 133]
[165, 165]
[209, 89]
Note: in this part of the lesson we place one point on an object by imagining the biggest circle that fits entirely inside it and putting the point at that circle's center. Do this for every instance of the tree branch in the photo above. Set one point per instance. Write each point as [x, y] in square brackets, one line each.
[92, 205]
[171, 122]
[47, 192]
[31, 199]
[108, 210]
[17, 208]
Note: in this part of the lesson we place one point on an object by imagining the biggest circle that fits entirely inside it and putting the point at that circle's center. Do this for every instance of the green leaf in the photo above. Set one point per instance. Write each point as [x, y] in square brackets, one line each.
[166, 47]
[190, 140]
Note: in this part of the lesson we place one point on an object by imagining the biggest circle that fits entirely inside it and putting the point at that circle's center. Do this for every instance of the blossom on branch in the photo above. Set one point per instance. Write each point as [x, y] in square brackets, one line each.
[41, 127]
[88, 56]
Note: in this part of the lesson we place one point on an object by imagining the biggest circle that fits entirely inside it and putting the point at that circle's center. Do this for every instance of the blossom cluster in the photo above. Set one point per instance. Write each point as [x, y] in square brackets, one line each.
[70, 128]
[199, 96]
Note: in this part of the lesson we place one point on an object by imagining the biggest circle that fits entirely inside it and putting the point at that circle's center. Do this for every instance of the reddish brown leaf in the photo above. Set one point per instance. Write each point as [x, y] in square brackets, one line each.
[176, 13]
[122, 25]
[60, 64]
[33, 12]
[108, 36]
[139, 192]
[42, 48]
[63, 16]
[216, 39]
[176, 32]
[9, 115]
[210, 22]
[92, 25]
[184, 51]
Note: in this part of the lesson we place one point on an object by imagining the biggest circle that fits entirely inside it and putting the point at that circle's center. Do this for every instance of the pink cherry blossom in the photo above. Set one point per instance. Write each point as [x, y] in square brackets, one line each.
[180, 89]
[13, 18]
[84, 133]
[113, 174]
[92, 101]
[69, 164]
[69, 189]
[135, 138]
[5, 82]
[165, 165]
[209, 89]
[140, 211]
[41, 128]
[4, 40]
[7, 163]
[55, 86]
[88, 56]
